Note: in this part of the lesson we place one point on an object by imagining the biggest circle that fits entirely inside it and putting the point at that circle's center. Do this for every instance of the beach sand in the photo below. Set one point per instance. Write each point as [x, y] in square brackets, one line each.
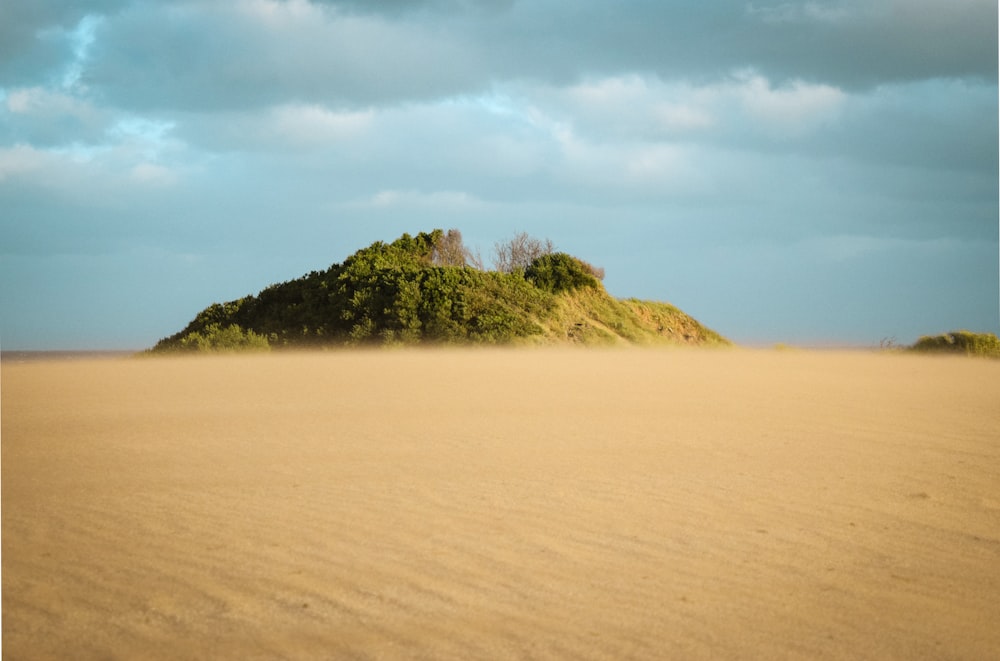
[494, 504]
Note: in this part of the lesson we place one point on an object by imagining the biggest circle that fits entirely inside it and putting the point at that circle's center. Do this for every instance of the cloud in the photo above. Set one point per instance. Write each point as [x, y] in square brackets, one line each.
[399, 7]
[792, 110]
[745, 102]
[861, 45]
[635, 105]
[314, 124]
[19, 160]
[682, 118]
[807, 12]
[821, 142]
[150, 173]
[45, 116]
[194, 55]
[41, 38]
[745, 144]
[435, 200]
[190, 56]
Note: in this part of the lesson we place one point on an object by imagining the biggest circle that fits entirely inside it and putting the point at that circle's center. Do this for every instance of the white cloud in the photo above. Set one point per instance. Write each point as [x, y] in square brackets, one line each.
[280, 14]
[644, 107]
[630, 107]
[20, 101]
[288, 127]
[438, 200]
[792, 110]
[21, 159]
[88, 174]
[42, 115]
[315, 125]
[803, 12]
[613, 93]
[151, 173]
[682, 117]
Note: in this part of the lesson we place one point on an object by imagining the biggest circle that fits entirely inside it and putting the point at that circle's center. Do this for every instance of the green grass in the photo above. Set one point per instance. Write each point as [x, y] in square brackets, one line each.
[591, 316]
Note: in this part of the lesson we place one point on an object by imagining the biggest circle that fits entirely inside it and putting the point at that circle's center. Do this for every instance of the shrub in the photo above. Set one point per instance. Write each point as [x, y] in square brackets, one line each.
[559, 272]
[501, 307]
[961, 342]
[217, 338]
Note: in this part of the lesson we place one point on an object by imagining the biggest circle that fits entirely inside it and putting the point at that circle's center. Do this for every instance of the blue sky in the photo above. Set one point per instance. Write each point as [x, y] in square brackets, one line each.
[800, 172]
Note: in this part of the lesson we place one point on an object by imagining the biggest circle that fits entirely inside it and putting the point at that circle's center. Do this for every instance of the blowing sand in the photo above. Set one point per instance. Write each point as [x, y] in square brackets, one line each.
[503, 504]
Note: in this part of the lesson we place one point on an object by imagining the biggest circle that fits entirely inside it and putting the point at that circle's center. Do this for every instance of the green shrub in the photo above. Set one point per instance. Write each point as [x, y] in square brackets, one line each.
[558, 272]
[961, 342]
[216, 338]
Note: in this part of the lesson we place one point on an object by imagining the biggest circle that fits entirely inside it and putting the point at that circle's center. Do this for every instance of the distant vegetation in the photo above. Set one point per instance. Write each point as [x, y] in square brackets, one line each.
[430, 289]
[960, 342]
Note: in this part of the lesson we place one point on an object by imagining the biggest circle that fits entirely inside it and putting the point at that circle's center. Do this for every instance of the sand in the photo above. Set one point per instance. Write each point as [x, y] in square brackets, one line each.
[502, 504]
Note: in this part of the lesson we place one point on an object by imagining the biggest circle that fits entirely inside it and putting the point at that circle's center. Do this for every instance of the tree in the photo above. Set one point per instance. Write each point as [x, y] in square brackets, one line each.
[518, 252]
[448, 249]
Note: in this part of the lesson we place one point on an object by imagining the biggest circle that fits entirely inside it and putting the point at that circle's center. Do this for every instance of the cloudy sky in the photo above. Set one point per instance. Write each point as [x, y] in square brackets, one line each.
[816, 172]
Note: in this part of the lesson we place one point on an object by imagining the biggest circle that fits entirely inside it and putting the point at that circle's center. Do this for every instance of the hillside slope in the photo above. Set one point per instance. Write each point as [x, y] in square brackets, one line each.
[414, 291]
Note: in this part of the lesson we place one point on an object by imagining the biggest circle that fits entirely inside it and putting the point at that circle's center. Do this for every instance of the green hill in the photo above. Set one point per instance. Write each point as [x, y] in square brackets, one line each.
[420, 290]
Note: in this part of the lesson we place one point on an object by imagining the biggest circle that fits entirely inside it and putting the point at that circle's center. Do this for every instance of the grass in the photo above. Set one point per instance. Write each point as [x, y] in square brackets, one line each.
[591, 316]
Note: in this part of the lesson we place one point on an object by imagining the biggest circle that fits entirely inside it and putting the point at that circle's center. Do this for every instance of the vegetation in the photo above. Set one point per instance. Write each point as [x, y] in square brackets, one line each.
[217, 338]
[559, 272]
[960, 342]
[430, 288]
[517, 253]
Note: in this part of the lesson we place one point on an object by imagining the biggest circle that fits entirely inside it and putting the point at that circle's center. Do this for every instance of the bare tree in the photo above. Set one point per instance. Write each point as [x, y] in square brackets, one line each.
[474, 259]
[449, 250]
[518, 252]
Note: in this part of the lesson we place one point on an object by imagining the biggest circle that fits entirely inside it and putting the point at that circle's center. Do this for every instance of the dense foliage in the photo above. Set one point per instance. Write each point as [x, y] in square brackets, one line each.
[416, 289]
[960, 342]
[215, 337]
[559, 272]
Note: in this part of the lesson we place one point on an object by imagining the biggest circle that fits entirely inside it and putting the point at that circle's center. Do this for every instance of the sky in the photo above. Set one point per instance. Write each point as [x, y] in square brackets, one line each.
[816, 173]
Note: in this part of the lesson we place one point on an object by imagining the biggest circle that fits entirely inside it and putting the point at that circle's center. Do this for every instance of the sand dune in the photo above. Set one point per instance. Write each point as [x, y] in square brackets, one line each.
[502, 504]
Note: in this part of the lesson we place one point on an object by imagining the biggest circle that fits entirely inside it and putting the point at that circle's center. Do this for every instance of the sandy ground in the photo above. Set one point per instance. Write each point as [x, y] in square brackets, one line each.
[502, 504]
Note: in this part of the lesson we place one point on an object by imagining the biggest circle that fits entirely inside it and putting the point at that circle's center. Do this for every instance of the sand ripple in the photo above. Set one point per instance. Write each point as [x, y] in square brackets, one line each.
[499, 504]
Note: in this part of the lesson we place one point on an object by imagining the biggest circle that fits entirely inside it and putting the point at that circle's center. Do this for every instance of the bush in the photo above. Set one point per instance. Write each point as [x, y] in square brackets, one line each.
[559, 272]
[961, 342]
[216, 338]
[501, 307]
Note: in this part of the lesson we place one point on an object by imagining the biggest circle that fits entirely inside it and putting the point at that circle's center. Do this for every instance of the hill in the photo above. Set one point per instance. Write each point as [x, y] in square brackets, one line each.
[421, 290]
